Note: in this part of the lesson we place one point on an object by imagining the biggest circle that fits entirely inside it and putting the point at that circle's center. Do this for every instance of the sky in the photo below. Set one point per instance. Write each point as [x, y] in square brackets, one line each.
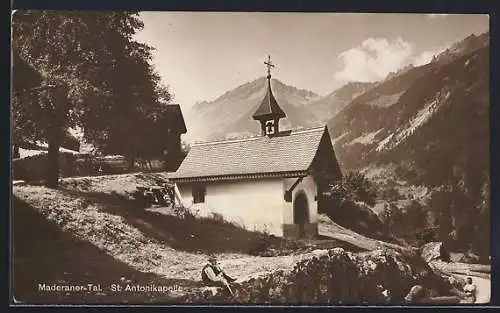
[201, 55]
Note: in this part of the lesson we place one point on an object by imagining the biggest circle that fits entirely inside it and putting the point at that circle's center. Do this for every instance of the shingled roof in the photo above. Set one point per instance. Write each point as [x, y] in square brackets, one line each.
[280, 156]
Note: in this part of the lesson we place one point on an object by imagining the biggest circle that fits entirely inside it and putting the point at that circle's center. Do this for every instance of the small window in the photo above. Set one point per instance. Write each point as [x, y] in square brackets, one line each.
[199, 192]
[270, 127]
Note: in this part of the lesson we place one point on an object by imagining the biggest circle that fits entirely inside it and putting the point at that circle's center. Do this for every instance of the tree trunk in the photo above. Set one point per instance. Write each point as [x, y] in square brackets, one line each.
[59, 102]
[15, 153]
[53, 162]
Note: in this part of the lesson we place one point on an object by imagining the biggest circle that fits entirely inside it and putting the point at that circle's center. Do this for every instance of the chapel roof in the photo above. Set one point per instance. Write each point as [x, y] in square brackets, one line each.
[287, 155]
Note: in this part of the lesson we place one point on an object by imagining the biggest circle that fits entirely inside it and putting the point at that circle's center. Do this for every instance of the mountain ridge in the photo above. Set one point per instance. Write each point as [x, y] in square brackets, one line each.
[230, 115]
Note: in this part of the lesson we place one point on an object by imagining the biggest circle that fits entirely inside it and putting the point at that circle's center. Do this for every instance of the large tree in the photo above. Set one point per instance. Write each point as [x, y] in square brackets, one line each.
[94, 75]
[25, 79]
[136, 127]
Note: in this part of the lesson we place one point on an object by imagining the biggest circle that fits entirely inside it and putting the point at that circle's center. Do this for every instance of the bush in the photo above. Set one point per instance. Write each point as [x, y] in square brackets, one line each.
[391, 193]
[356, 216]
[348, 201]
[464, 221]
[34, 168]
[409, 222]
[354, 187]
[183, 213]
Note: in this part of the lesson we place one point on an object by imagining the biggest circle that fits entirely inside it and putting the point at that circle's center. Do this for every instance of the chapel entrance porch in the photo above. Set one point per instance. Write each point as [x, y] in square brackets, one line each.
[302, 228]
[300, 213]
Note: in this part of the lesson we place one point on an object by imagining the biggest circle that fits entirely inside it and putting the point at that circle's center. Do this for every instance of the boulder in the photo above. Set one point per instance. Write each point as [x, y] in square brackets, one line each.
[469, 258]
[415, 295]
[434, 251]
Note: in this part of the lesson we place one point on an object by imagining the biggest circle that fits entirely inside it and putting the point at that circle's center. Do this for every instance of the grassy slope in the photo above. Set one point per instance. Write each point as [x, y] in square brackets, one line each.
[43, 253]
[77, 234]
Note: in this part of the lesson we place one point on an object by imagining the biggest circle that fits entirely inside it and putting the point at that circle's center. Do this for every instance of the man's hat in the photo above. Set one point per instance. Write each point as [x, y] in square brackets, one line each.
[212, 258]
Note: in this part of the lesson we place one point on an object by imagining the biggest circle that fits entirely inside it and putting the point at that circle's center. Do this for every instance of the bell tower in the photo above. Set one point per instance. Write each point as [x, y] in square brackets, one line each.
[269, 112]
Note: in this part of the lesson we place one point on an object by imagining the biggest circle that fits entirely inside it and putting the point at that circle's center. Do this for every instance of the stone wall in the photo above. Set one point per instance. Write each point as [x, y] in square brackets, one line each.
[335, 277]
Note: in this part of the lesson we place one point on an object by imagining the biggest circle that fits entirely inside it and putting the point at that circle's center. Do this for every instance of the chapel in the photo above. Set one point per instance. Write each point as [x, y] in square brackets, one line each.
[272, 183]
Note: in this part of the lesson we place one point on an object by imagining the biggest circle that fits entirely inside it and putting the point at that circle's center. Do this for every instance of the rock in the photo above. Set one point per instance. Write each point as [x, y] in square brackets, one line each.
[338, 250]
[433, 251]
[211, 290]
[319, 252]
[469, 258]
[415, 295]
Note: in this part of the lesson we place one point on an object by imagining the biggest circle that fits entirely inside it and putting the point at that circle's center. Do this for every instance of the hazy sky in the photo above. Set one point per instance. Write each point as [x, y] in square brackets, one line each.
[201, 55]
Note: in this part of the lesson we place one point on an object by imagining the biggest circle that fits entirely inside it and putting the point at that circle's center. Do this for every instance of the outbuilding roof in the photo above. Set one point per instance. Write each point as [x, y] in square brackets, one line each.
[175, 118]
[285, 155]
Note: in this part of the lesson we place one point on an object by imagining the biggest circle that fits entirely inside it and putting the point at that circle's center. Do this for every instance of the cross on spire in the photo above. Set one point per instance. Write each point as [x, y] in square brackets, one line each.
[269, 65]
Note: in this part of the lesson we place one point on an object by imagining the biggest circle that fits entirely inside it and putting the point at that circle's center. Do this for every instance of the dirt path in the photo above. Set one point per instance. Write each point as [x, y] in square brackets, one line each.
[483, 294]
[331, 229]
[480, 274]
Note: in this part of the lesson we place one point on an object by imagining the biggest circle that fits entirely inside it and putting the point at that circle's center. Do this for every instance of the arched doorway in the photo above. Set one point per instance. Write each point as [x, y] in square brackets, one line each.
[301, 213]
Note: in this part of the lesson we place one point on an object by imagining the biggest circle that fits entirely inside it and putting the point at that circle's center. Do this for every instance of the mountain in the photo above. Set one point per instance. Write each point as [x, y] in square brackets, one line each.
[464, 47]
[420, 118]
[423, 137]
[399, 72]
[230, 115]
[328, 106]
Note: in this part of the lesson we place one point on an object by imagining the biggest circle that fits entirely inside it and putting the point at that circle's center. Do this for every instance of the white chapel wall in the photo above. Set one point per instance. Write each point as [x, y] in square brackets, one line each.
[253, 204]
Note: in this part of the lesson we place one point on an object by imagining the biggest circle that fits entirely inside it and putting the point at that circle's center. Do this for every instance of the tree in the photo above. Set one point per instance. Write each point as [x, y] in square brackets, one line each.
[482, 235]
[348, 201]
[96, 77]
[388, 216]
[356, 187]
[25, 79]
[143, 104]
[415, 215]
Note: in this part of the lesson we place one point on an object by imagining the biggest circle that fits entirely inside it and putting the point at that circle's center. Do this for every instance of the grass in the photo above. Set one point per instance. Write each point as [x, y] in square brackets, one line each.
[45, 254]
[90, 230]
[203, 235]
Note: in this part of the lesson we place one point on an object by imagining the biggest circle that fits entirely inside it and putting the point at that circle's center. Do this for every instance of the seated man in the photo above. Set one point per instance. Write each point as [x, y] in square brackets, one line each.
[470, 291]
[213, 275]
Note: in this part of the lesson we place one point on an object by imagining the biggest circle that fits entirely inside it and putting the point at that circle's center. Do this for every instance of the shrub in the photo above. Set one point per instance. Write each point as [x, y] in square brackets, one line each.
[354, 186]
[183, 213]
[34, 168]
[356, 216]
